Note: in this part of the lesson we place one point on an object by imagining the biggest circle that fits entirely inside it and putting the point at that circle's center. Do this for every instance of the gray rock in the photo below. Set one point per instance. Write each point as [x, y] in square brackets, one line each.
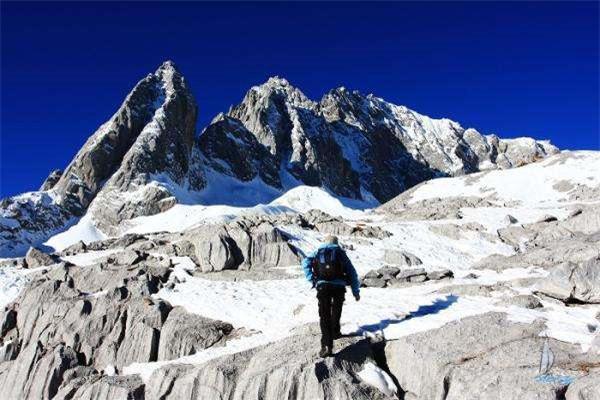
[547, 218]
[373, 274]
[37, 258]
[575, 213]
[585, 388]
[184, 334]
[103, 388]
[417, 278]
[233, 150]
[325, 223]
[525, 301]
[242, 244]
[509, 219]
[467, 290]
[127, 257]
[73, 249]
[373, 282]
[272, 372]
[51, 180]
[408, 273]
[485, 355]
[440, 274]
[37, 373]
[9, 351]
[388, 272]
[431, 209]
[126, 240]
[401, 258]
[573, 282]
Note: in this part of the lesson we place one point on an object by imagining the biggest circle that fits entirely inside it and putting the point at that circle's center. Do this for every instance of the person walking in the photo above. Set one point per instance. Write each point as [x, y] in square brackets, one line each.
[330, 270]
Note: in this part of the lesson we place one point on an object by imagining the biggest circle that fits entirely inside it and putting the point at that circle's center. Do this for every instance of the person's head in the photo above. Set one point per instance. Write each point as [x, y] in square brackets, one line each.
[330, 239]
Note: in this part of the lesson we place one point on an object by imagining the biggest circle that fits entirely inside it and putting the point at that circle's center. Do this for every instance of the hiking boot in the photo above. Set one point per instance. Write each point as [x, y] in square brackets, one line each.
[325, 352]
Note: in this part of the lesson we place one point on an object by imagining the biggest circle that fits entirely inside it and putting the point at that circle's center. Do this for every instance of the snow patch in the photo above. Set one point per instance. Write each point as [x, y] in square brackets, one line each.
[84, 230]
[378, 378]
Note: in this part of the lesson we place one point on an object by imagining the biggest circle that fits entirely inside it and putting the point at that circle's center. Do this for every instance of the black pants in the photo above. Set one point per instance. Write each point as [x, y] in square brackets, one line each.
[331, 300]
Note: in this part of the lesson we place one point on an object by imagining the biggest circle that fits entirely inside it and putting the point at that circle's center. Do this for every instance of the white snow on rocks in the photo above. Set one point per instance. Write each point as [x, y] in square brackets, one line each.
[12, 281]
[378, 378]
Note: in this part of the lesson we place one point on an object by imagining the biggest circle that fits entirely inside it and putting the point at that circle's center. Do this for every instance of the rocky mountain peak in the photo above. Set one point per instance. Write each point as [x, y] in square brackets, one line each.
[167, 65]
[145, 158]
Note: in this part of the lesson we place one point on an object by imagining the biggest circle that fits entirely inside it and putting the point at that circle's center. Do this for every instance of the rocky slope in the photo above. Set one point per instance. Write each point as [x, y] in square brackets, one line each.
[220, 310]
[146, 157]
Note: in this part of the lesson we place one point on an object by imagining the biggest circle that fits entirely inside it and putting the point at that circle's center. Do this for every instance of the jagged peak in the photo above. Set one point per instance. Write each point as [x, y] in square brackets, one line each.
[277, 81]
[167, 65]
[281, 86]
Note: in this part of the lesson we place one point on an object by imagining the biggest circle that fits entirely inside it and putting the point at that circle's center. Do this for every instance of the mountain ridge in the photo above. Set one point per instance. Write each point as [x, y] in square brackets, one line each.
[147, 154]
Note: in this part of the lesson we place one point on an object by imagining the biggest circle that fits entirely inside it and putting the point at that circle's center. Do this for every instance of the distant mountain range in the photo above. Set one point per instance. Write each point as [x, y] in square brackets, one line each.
[147, 156]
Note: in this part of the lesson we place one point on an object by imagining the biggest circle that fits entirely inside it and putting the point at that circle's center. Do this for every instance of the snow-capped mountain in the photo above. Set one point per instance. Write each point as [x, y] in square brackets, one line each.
[362, 146]
[146, 158]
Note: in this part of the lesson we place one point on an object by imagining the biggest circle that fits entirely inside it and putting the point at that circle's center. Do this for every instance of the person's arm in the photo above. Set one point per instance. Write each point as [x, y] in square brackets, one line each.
[307, 267]
[354, 282]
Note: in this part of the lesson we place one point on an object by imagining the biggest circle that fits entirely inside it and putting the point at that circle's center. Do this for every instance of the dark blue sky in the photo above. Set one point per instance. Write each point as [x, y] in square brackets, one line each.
[507, 68]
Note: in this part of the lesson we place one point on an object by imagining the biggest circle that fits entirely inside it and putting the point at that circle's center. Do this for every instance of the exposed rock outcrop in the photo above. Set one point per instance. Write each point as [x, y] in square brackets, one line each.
[572, 282]
[465, 357]
[37, 258]
[390, 276]
[51, 180]
[72, 322]
[242, 244]
[272, 372]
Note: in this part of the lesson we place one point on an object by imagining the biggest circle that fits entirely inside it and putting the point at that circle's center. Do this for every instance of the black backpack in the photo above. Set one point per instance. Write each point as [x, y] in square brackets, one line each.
[328, 265]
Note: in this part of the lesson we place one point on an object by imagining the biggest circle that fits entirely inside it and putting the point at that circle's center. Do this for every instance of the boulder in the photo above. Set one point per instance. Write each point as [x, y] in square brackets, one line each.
[373, 274]
[410, 272]
[388, 272]
[525, 301]
[183, 334]
[37, 258]
[440, 274]
[127, 257]
[216, 250]
[373, 282]
[73, 249]
[401, 258]
[570, 282]
[246, 243]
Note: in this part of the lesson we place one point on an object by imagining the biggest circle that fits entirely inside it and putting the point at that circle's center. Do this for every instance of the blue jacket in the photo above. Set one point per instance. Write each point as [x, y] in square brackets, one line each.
[354, 282]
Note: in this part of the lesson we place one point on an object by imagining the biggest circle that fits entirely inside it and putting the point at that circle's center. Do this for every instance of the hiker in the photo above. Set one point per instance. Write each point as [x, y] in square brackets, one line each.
[329, 270]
